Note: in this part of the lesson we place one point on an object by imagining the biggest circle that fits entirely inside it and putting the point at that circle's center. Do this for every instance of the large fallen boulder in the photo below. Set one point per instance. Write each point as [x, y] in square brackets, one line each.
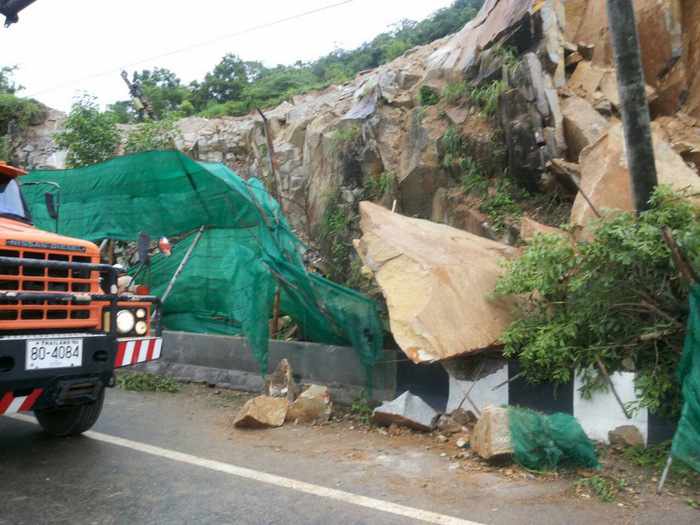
[605, 174]
[437, 282]
[406, 410]
[262, 412]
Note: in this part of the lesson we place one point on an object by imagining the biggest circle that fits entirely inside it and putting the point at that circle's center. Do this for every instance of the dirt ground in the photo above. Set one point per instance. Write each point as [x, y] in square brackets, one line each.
[626, 480]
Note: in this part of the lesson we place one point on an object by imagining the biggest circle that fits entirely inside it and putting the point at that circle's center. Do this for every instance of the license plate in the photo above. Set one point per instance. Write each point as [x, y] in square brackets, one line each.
[54, 353]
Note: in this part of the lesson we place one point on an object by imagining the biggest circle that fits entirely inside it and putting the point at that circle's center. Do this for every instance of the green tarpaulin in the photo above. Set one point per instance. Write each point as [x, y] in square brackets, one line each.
[686, 443]
[246, 252]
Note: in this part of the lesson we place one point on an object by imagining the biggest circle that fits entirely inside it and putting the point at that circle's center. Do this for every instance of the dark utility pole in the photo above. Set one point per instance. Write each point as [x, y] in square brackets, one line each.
[633, 101]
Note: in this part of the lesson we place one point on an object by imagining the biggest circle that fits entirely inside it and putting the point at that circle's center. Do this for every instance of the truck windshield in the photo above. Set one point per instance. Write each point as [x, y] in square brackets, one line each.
[11, 201]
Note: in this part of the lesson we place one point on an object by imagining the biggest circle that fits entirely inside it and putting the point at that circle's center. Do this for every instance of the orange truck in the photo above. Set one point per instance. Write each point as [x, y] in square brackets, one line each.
[64, 326]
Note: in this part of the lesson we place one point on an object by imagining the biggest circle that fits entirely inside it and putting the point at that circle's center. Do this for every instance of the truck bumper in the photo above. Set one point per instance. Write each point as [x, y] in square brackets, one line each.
[24, 390]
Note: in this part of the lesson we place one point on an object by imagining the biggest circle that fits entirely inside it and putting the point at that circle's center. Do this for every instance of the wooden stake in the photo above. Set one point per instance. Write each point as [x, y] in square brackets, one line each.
[276, 314]
[604, 371]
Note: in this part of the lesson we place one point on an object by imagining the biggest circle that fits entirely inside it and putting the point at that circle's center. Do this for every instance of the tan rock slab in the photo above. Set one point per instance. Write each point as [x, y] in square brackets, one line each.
[262, 412]
[491, 435]
[530, 228]
[437, 281]
[605, 174]
[583, 125]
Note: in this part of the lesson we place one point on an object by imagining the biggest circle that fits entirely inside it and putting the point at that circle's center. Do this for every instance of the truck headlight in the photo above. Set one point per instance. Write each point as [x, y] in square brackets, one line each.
[141, 328]
[141, 313]
[125, 321]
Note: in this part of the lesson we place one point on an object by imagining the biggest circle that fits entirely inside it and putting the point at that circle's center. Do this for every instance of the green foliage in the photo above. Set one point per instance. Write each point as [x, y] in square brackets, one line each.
[362, 409]
[455, 92]
[653, 459]
[486, 97]
[500, 206]
[346, 135]
[616, 298]
[5, 149]
[7, 83]
[605, 488]
[509, 58]
[90, 136]
[427, 96]
[150, 135]
[336, 238]
[143, 382]
[377, 187]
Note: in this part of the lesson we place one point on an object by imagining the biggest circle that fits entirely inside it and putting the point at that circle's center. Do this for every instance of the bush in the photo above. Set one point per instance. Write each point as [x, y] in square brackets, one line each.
[90, 136]
[149, 136]
[616, 299]
[427, 96]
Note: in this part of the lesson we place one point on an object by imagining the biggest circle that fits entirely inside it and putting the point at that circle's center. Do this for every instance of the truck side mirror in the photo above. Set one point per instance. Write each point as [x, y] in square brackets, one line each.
[51, 205]
[144, 245]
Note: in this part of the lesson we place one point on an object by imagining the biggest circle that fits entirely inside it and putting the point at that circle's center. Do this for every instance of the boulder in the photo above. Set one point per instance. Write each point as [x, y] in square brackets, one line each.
[312, 406]
[437, 282]
[626, 436]
[605, 174]
[529, 229]
[447, 425]
[583, 125]
[406, 410]
[491, 435]
[262, 412]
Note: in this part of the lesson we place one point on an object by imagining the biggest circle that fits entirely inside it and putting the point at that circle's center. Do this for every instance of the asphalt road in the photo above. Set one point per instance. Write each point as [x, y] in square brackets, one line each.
[158, 459]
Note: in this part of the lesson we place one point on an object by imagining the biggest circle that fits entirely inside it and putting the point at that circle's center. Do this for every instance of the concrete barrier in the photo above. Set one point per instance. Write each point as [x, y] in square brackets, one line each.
[228, 362]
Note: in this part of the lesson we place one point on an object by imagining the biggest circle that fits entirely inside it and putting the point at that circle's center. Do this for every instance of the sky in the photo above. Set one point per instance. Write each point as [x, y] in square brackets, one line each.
[66, 47]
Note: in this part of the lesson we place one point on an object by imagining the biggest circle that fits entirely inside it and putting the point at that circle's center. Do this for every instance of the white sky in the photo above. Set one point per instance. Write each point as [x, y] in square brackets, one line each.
[58, 44]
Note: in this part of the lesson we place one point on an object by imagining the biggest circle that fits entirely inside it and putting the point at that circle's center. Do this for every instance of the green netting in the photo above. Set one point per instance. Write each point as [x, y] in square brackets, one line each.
[246, 252]
[542, 442]
[686, 442]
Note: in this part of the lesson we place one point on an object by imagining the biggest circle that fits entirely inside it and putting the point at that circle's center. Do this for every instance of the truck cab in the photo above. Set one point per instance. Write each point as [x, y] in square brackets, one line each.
[64, 326]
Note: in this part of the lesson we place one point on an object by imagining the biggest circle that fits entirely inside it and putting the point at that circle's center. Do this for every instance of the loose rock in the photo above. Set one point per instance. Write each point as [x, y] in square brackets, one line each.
[281, 382]
[262, 412]
[313, 406]
[491, 436]
[626, 436]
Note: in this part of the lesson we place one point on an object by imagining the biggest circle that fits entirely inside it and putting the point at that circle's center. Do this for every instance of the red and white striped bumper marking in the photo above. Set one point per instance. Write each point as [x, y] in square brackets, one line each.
[135, 351]
[9, 404]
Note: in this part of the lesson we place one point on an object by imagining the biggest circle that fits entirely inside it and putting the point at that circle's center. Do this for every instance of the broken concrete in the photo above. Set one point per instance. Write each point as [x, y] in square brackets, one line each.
[406, 410]
[281, 382]
[605, 174]
[583, 125]
[262, 412]
[491, 436]
[437, 283]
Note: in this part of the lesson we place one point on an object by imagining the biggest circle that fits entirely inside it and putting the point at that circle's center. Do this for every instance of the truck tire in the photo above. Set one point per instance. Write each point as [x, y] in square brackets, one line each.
[70, 421]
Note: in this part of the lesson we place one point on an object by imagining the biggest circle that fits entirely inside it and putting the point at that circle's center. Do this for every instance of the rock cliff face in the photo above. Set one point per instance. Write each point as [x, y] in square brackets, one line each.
[527, 89]
[556, 96]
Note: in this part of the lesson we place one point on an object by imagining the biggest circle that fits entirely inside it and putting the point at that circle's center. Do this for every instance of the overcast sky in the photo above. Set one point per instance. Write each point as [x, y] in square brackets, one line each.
[64, 47]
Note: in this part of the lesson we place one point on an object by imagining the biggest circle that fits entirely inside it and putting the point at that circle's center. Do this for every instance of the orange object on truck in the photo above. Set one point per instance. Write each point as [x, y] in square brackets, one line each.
[64, 326]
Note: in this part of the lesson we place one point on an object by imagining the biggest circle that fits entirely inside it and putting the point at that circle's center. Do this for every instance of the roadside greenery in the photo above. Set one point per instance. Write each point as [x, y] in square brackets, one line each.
[615, 298]
[143, 382]
[90, 136]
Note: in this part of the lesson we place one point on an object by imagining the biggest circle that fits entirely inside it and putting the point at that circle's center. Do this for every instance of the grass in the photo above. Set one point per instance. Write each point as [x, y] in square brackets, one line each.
[653, 459]
[345, 135]
[604, 488]
[144, 382]
[376, 187]
[486, 97]
[455, 92]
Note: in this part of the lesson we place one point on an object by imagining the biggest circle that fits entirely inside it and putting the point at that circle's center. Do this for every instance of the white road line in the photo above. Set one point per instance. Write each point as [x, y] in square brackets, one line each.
[278, 481]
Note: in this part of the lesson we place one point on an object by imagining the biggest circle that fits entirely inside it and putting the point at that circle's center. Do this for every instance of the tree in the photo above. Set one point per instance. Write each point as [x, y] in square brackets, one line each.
[7, 84]
[149, 136]
[90, 136]
[163, 89]
[225, 83]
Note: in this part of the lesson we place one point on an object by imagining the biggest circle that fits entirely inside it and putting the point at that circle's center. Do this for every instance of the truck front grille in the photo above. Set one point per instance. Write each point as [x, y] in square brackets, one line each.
[40, 313]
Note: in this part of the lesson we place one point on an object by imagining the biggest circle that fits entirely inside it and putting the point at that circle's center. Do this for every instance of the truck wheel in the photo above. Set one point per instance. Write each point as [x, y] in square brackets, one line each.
[70, 421]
